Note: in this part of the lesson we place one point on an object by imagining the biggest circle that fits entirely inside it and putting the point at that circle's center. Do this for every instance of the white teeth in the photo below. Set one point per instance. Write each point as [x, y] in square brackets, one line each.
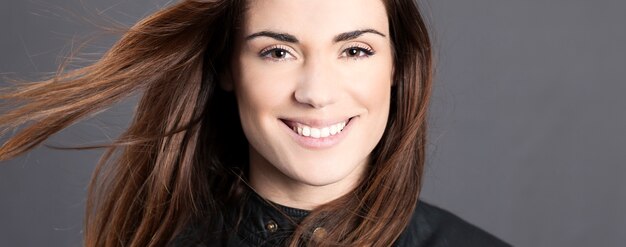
[308, 131]
[315, 133]
[325, 132]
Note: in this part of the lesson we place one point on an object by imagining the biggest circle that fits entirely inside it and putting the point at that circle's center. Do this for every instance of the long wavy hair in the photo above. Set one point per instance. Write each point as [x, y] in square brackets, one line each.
[184, 156]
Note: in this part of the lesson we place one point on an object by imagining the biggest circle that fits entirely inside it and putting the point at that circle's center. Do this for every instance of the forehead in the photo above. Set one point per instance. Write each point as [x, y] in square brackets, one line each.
[315, 18]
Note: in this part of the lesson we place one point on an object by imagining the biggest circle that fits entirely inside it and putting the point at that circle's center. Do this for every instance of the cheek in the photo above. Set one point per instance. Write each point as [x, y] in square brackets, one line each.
[261, 95]
[259, 90]
[373, 87]
[374, 93]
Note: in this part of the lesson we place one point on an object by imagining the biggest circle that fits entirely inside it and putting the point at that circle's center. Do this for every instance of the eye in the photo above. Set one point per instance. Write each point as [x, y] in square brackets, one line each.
[357, 51]
[276, 53]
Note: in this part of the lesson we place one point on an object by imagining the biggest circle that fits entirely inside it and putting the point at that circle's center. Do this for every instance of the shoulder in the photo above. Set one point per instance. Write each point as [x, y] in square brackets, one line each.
[433, 226]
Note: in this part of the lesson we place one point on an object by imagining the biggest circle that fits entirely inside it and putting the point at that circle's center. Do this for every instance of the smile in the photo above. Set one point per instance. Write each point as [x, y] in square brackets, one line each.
[317, 134]
[308, 131]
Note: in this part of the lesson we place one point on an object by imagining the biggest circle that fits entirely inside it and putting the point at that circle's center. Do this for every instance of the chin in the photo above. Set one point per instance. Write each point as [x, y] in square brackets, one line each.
[324, 173]
[320, 179]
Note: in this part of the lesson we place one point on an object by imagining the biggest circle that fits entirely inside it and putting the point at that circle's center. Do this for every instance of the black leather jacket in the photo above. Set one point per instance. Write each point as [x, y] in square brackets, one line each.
[264, 225]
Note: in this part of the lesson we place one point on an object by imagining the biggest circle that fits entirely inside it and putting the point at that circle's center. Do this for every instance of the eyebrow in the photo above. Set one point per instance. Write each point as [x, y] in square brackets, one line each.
[286, 37]
[274, 35]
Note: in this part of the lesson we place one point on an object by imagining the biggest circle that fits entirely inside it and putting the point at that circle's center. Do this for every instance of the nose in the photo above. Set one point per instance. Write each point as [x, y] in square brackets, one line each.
[318, 87]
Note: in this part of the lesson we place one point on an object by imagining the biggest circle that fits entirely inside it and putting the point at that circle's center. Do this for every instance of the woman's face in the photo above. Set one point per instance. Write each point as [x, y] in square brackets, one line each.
[312, 81]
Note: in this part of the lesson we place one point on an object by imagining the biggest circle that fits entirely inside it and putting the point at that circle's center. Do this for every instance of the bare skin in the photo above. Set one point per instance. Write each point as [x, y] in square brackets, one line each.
[312, 64]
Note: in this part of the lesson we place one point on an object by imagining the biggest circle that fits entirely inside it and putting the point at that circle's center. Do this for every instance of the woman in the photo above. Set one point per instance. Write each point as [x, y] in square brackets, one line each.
[262, 123]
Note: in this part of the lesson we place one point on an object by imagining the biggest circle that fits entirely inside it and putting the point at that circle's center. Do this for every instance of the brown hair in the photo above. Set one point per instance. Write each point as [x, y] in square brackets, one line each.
[181, 158]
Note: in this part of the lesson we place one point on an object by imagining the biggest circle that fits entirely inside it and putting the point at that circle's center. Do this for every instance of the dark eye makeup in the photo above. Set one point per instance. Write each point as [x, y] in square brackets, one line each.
[358, 51]
[281, 53]
[275, 52]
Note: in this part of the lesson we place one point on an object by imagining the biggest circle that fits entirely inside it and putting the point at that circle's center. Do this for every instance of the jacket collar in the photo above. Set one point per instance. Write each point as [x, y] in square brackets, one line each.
[264, 223]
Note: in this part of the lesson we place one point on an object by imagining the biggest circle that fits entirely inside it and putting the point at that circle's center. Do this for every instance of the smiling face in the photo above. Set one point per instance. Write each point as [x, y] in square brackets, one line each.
[313, 82]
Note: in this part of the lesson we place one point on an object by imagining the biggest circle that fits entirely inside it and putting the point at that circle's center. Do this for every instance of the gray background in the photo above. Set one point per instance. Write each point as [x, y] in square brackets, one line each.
[527, 128]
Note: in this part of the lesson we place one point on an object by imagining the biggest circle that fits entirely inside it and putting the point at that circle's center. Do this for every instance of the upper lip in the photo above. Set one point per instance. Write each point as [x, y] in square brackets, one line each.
[314, 122]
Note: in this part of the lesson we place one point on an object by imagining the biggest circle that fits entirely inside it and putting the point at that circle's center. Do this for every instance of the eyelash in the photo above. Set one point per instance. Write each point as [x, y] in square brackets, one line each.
[360, 48]
[266, 53]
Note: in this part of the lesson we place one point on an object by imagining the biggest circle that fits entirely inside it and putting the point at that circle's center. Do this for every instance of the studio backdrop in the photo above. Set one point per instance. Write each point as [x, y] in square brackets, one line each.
[527, 135]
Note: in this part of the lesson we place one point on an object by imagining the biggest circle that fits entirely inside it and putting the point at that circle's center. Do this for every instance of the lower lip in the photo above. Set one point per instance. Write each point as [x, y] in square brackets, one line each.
[319, 143]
